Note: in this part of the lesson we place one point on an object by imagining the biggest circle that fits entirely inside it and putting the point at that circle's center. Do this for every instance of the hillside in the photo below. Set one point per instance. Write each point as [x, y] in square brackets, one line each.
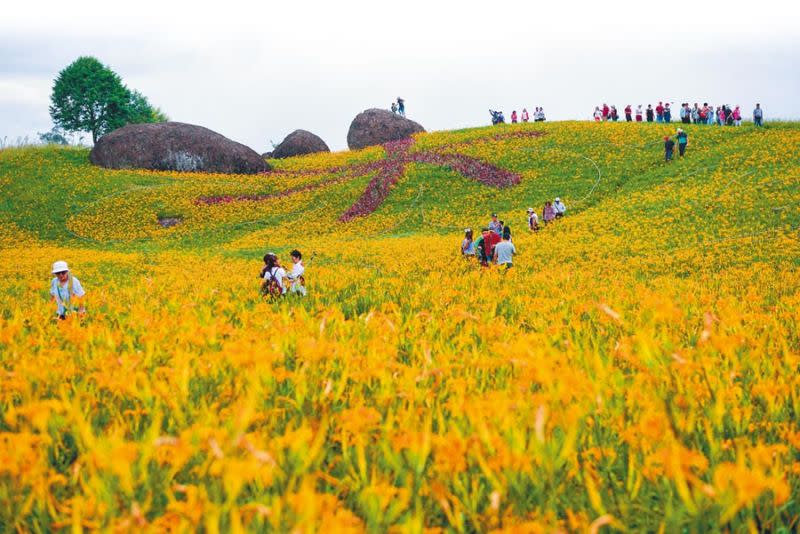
[636, 368]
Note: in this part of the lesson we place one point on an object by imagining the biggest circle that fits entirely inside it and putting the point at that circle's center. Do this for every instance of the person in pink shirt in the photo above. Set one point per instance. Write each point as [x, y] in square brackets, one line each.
[549, 212]
[737, 116]
[525, 116]
[514, 117]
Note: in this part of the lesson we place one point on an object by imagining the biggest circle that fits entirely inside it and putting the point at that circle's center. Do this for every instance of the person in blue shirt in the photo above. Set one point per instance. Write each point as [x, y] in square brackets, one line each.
[683, 140]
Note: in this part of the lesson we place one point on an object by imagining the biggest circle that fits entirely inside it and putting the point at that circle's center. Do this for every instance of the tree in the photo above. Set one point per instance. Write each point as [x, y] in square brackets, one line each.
[90, 97]
[54, 137]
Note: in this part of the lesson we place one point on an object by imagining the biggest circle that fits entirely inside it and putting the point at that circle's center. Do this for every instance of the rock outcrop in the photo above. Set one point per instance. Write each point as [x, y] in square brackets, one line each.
[379, 126]
[174, 146]
[299, 142]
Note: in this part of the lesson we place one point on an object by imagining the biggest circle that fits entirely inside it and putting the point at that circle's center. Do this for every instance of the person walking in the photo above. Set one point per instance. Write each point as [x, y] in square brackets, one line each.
[559, 208]
[639, 113]
[683, 140]
[548, 213]
[66, 291]
[669, 146]
[628, 113]
[533, 220]
[504, 251]
[758, 116]
[525, 117]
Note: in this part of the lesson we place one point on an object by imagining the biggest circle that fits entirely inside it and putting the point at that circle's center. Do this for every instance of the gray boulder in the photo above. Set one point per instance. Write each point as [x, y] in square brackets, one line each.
[174, 146]
[299, 142]
[379, 126]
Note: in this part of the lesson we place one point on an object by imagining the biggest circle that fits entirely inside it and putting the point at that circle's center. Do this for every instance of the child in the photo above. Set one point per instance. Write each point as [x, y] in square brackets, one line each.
[468, 245]
[533, 220]
[296, 276]
[273, 275]
[62, 290]
[669, 145]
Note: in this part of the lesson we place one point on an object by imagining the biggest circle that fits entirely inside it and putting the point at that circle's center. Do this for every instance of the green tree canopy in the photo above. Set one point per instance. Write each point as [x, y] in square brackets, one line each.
[90, 97]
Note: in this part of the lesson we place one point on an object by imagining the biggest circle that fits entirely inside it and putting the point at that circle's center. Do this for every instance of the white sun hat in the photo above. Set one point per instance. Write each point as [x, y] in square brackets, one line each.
[558, 199]
[530, 210]
[60, 266]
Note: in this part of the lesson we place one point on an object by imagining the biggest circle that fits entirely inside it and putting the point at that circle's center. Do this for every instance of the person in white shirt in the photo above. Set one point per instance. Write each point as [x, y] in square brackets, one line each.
[504, 251]
[298, 285]
[273, 275]
[559, 207]
[64, 288]
[533, 220]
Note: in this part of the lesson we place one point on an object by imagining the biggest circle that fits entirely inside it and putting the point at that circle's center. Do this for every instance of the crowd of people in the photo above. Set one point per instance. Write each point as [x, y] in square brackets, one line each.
[537, 116]
[722, 115]
[495, 246]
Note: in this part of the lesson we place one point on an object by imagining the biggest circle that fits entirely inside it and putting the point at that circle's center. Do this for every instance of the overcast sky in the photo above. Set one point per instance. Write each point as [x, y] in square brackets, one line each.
[256, 71]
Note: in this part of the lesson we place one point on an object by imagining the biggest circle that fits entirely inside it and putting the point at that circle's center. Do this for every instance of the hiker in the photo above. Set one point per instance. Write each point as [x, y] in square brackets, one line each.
[758, 115]
[598, 115]
[669, 145]
[495, 225]
[504, 251]
[737, 116]
[683, 140]
[394, 107]
[649, 113]
[272, 275]
[559, 208]
[401, 106]
[525, 117]
[628, 113]
[548, 212]
[297, 277]
[639, 113]
[533, 220]
[468, 245]
[63, 289]
[667, 113]
[660, 112]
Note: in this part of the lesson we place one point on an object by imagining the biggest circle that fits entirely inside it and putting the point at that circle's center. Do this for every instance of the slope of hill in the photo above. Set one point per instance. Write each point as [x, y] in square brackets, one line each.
[636, 368]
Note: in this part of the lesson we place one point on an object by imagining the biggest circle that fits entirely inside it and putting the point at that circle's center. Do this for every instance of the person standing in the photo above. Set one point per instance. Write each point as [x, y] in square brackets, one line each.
[684, 113]
[660, 112]
[669, 146]
[614, 114]
[514, 117]
[683, 140]
[504, 251]
[540, 115]
[495, 225]
[548, 213]
[468, 245]
[559, 208]
[639, 113]
[649, 113]
[628, 113]
[598, 115]
[63, 289]
[667, 113]
[297, 276]
[737, 116]
[525, 116]
[695, 114]
[273, 275]
[394, 107]
[401, 106]
[758, 115]
[606, 111]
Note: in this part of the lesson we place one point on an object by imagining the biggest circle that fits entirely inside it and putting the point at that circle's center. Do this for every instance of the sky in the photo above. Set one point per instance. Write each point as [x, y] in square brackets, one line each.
[256, 71]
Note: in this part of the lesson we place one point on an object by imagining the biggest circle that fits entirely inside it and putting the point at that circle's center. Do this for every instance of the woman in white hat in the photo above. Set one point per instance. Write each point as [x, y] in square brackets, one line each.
[533, 220]
[66, 291]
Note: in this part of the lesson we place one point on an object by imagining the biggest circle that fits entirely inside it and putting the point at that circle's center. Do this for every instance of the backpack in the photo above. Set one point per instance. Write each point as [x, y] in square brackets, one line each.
[270, 287]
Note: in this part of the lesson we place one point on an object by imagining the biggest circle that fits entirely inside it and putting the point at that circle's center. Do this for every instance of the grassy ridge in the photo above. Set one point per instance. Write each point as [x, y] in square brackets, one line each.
[637, 368]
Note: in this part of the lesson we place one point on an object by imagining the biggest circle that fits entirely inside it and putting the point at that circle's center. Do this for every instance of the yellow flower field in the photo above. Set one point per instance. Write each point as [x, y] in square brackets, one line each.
[636, 370]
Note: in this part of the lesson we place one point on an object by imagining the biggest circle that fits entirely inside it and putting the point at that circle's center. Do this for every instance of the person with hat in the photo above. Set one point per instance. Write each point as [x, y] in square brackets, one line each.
[66, 291]
[669, 146]
[495, 225]
[559, 208]
[533, 220]
[683, 140]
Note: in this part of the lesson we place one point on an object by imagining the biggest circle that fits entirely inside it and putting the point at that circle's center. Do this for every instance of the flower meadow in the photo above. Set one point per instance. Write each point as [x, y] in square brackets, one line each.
[636, 370]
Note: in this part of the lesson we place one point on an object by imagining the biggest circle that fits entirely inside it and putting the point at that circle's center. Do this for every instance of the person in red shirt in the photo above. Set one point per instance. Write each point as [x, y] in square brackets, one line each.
[606, 111]
[489, 241]
[628, 113]
[660, 112]
[514, 117]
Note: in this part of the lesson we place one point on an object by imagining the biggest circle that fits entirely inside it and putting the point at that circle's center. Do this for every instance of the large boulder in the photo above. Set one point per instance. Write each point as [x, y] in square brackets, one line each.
[300, 142]
[379, 126]
[174, 146]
